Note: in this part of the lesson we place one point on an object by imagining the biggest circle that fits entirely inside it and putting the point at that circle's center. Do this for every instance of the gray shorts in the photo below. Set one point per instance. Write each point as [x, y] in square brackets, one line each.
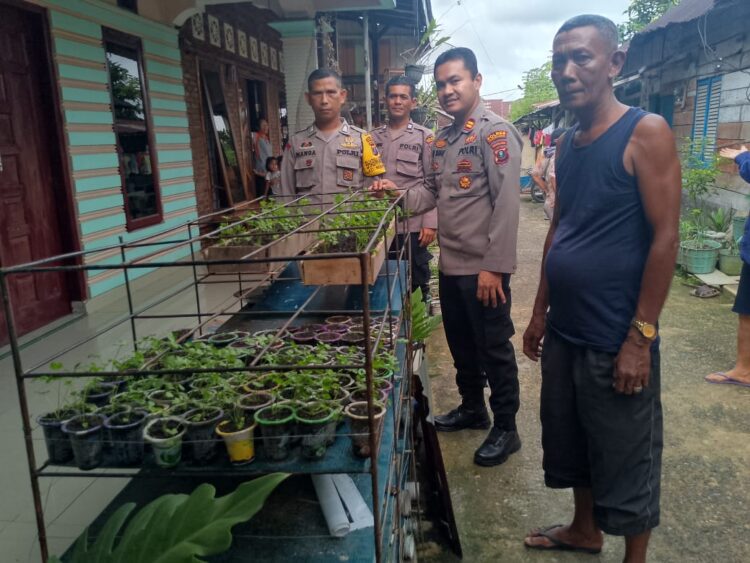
[594, 437]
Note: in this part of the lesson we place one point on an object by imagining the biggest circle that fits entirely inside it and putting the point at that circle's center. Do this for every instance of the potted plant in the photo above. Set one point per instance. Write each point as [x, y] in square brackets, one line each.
[58, 445]
[699, 254]
[252, 402]
[275, 424]
[730, 261]
[86, 438]
[125, 435]
[200, 434]
[165, 434]
[317, 428]
[416, 59]
[359, 421]
[238, 435]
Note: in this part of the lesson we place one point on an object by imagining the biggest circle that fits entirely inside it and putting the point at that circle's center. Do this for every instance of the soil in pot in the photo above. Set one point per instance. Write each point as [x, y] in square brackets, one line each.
[353, 338]
[276, 424]
[317, 428]
[336, 327]
[59, 449]
[339, 319]
[165, 436]
[125, 435]
[223, 338]
[264, 383]
[200, 436]
[304, 337]
[330, 337]
[87, 439]
[100, 394]
[240, 442]
[360, 395]
[253, 402]
[360, 429]
[166, 397]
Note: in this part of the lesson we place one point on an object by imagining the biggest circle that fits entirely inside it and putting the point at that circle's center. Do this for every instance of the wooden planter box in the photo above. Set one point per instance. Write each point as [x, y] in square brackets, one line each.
[291, 246]
[346, 271]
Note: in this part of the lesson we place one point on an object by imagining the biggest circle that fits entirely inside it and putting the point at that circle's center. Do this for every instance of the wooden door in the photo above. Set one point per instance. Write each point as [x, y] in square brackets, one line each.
[30, 188]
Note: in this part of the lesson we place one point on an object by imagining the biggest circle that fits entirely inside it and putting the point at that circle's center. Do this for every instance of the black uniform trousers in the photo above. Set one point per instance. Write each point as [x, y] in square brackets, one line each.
[420, 262]
[479, 341]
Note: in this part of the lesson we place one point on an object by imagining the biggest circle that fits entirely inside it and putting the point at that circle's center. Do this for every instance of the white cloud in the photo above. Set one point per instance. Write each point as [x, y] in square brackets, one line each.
[511, 36]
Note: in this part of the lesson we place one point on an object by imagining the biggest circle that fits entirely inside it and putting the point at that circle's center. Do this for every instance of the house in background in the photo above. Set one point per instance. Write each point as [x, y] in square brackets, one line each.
[499, 107]
[692, 66]
[94, 144]
[129, 118]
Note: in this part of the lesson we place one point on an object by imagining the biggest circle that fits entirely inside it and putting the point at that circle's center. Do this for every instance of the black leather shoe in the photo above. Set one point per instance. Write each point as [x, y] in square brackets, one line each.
[461, 418]
[497, 447]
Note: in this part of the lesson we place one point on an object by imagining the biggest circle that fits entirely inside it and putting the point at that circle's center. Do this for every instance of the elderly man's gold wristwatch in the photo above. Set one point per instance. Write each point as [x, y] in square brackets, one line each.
[646, 329]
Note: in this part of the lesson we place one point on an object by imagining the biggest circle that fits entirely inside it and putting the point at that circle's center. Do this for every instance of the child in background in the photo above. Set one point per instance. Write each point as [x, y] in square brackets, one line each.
[273, 176]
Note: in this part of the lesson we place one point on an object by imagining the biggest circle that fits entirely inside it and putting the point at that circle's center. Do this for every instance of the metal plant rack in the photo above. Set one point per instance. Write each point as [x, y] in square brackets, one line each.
[245, 308]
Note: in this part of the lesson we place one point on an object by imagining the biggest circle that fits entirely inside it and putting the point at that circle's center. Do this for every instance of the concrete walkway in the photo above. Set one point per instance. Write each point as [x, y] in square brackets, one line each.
[706, 474]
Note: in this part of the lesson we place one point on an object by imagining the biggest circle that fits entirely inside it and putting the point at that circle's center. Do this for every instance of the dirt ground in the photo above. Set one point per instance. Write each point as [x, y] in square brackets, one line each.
[705, 504]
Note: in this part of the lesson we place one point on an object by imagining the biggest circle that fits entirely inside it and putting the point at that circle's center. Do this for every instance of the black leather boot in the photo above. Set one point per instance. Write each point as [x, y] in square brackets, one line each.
[497, 447]
[461, 418]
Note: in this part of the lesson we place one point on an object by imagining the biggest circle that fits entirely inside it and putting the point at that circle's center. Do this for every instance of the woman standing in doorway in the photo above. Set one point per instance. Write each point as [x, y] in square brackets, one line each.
[262, 150]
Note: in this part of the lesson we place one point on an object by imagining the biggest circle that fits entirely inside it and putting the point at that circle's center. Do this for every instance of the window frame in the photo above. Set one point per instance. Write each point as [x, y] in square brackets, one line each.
[118, 38]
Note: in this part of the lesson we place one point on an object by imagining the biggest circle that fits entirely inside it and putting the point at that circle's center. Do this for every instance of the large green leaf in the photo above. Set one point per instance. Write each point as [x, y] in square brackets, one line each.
[176, 528]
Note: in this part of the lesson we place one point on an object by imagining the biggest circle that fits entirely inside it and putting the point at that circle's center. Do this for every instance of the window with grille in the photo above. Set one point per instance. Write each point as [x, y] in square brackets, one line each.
[706, 118]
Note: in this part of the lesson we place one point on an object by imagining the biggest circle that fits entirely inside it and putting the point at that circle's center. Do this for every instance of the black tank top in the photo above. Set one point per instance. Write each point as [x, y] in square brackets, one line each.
[595, 264]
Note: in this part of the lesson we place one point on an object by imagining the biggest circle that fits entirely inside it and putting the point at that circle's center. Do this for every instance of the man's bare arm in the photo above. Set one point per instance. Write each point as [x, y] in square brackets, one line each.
[651, 156]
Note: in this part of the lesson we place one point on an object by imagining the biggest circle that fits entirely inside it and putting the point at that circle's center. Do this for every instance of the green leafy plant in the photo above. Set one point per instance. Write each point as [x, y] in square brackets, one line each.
[429, 42]
[422, 324]
[719, 220]
[175, 528]
[259, 227]
[351, 226]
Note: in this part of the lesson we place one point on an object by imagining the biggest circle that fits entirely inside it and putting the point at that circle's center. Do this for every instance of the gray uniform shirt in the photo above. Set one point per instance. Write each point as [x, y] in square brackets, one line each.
[316, 166]
[407, 156]
[475, 186]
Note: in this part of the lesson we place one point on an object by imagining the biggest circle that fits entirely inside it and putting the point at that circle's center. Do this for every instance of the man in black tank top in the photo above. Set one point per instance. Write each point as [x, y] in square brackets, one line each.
[608, 262]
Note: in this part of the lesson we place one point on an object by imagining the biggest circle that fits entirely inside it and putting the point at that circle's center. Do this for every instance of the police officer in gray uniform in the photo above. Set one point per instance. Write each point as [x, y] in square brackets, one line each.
[406, 150]
[475, 185]
[325, 158]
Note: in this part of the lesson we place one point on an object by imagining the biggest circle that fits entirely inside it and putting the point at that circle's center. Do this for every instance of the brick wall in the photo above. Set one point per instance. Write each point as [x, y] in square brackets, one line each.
[198, 144]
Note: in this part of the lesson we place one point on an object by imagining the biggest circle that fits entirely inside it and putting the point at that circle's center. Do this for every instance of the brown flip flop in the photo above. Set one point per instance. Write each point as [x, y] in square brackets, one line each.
[558, 545]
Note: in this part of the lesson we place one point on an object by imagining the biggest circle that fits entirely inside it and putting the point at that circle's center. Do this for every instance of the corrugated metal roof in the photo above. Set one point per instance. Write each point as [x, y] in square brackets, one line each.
[684, 12]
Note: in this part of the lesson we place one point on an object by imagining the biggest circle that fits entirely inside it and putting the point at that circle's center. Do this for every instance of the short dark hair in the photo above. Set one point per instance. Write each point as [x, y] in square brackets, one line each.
[401, 80]
[271, 159]
[606, 27]
[320, 74]
[459, 54]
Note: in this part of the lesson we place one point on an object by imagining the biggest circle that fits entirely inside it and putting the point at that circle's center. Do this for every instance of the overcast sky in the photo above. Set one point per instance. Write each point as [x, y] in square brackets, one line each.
[511, 36]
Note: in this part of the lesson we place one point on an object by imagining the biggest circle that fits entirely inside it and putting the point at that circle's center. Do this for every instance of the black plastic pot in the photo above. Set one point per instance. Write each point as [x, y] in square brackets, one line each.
[125, 433]
[276, 424]
[200, 438]
[100, 394]
[253, 402]
[87, 439]
[318, 429]
[303, 337]
[59, 449]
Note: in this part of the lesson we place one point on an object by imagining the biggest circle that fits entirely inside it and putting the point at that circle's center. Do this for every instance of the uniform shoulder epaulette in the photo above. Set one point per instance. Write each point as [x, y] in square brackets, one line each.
[356, 129]
[309, 130]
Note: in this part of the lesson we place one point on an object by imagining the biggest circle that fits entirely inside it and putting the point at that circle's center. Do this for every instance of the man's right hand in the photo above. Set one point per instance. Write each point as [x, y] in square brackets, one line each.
[532, 338]
[382, 186]
[732, 153]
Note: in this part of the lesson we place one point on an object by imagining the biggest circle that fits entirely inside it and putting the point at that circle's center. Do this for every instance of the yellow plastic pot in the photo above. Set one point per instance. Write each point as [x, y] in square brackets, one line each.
[240, 445]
